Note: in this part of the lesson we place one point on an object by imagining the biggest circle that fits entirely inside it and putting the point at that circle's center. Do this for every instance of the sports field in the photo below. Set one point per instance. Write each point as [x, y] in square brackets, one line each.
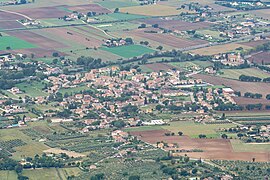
[129, 51]
[14, 43]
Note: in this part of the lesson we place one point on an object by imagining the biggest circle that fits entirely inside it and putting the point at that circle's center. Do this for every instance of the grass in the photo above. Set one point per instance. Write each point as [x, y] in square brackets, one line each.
[8, 175]
[129, 51]
[239, 146]
[34, 89]
[153, 10]
[52, 173]
[235, 73]
[194, 129]
[14, 43]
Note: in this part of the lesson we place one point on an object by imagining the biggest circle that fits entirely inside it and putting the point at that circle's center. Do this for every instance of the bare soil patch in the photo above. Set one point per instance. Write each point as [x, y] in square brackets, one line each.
[59, 151]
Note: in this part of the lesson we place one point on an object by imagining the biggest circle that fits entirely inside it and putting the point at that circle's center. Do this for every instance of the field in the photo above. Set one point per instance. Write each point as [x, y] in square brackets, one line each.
[220, 149]
[182, 65]
[14, 43]
[235, 73]
[176, 25]
[152, 10]
[8, 175]
[219, 49]
[117, 3]
[167, 39]
[159, 67]
[52, 173]
[128, 51]
[4, 25]
[243, 87]
[261, 58]
[118, 17]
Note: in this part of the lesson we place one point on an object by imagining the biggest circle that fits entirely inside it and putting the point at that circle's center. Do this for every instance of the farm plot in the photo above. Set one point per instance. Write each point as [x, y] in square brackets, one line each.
[90, 8]
[260, 58]
[4, 25]
[254, 43]
[211, 148]
[5, 16]
[167, 39]
[8, 175]
[118, 17]
[39, 40]
[112, 4]
[235, 73]
[246, 101]
[153, 10]
[12, 42]
[74, 37]
[176, 25]
[51, 173]
[128, 51]
[219, 49]
[243, 87]
[44, 12]
[159, 66]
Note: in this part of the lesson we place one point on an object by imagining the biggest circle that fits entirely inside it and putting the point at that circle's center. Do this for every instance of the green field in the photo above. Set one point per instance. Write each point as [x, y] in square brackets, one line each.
[8, 175]
[235, 73]
[14, 43]
[33, 89]
[117, 3]
[52, 173]
[194, 129]
[129, 51]
[239, 146]
[202, 64]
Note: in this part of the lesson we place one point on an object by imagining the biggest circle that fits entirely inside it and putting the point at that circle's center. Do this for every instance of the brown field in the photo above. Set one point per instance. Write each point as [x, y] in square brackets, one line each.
[40, 41]
[167, 39]
[177, 25]
[38, 52]
[75, 37]
[10, 25]
[219, 49]
[159, 66]
[262, 57]
[44, 12]
[254, 43]
[89, 7]
[264, 13]
[243, 87]
[153, 10]
[7, 16]
[212, 148]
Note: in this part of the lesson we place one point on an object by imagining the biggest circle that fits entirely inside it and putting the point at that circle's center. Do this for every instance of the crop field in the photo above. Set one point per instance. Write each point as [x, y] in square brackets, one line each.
[153, 10]
[195, 129]
[176, 24]
[261, 58]
[4, 25]
[235, 73]
[128, 51]
[32, 89]
[14, 43]
[211, 148]
[52, 173]
[243, 87]
[264, 13]
[167, 39]
[118, 17]
[219, 49]
[8, 175]
[117, 3]
[182, 65]
[159, 67]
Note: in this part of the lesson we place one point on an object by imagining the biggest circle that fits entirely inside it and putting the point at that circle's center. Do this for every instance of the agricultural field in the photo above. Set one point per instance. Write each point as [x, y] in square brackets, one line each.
[128, 51]
[152, 10]
[8, 175]
[235, 73]
[219, 49]
[11, 42]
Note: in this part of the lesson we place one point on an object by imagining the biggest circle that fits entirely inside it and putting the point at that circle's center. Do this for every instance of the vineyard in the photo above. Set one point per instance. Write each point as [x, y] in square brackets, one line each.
[7, 146]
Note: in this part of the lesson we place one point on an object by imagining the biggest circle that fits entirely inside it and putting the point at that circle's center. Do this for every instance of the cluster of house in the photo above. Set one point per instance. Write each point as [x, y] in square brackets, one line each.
[115, 42]
[211, 96]
[230, 59]
[13, 2]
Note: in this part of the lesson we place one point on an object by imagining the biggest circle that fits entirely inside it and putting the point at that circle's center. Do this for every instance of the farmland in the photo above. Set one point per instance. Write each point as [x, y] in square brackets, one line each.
[14, 43]
[234, 74]
[129, 51]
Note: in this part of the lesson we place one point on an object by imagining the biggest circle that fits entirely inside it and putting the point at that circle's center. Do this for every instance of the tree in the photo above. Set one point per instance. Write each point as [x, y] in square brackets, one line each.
[116, 10]
[180, 133]
[55, 54]
[160, 48]
[224, 136]
[134, 177]
[119, 124]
